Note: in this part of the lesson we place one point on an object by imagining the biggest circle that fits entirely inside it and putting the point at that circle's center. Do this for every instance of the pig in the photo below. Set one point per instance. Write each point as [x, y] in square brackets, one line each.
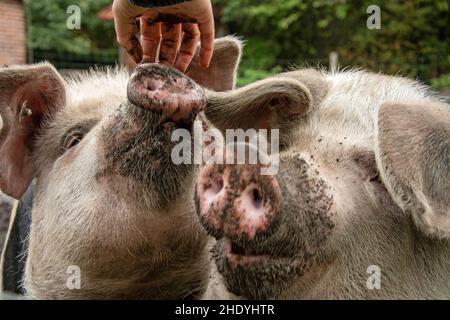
[360, 205]
[112, 217]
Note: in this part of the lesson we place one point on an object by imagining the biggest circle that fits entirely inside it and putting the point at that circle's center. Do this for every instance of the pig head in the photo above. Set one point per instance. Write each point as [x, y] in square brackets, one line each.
[112, 216]
[360, 205]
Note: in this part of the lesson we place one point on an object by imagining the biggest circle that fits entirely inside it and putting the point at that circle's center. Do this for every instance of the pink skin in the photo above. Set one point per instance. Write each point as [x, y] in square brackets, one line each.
[211, 192]
[250, 212]
[247, 260]
[166, 90]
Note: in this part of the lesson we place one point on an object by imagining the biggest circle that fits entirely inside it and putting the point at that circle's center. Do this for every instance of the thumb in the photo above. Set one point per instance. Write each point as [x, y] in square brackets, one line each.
[126, 28]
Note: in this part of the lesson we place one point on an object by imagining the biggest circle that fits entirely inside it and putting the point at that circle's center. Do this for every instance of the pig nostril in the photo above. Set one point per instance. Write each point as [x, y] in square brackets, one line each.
[216, 183]
[257, 198]
[212, 189]
[153, 84]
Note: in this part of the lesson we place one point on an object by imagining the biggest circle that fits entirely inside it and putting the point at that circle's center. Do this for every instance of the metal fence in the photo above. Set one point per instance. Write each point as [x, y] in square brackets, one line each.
[64, 60]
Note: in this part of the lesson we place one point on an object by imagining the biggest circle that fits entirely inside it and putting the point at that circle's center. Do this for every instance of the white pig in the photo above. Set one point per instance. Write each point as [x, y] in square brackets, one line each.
[112, 216]
[360, 206]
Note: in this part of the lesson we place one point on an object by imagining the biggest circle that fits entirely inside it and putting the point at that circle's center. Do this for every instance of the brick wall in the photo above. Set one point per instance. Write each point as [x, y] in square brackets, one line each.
[12, 32]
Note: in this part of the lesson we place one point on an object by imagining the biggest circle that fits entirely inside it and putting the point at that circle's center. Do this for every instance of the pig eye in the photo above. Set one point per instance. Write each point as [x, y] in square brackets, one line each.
[72, 139]
[74, 135]
[367, 166]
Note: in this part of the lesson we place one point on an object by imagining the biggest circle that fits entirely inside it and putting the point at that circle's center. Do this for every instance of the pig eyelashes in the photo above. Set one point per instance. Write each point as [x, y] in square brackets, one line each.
[367, 165]
[74, 135]
[72, 139]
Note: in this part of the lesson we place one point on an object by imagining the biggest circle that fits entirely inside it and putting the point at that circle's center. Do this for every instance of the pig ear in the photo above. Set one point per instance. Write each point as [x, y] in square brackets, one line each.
[413, 156]
[221, 73]
[275, 103]
[28, 95]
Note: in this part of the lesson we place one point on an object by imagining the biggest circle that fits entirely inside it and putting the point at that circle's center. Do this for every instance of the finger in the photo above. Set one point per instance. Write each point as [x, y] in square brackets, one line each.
[150, 39]
[125, 25]
[171, 34]
[207, 42]
[188, 46]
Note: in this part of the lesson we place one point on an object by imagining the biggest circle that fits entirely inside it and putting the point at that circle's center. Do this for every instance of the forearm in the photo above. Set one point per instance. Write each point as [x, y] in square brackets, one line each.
[154, 3]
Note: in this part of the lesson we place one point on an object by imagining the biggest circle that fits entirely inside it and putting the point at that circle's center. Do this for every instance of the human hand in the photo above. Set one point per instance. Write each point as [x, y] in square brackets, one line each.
[177, 27]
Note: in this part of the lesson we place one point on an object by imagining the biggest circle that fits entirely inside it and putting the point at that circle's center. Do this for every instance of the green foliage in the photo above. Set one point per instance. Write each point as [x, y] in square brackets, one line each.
[258, 61]
[413, 39]
[48, 29]
[441, 82]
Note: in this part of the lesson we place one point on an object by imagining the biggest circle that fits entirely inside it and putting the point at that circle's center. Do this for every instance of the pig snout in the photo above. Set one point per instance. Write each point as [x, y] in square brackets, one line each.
[236, 202]
[165, 90]
[137, 140]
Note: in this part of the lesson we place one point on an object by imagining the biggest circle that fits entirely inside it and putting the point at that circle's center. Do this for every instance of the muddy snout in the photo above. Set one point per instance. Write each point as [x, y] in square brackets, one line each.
[236, 202]
[166, 91]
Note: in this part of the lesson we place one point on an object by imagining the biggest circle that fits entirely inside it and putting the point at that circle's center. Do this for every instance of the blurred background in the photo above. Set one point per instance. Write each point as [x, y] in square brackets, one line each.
[413, 39]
